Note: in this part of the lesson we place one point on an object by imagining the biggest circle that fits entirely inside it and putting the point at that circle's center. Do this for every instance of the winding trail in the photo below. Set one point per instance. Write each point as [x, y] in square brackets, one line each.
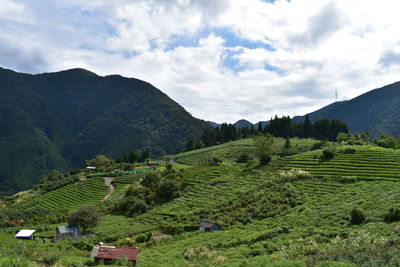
[107, 181]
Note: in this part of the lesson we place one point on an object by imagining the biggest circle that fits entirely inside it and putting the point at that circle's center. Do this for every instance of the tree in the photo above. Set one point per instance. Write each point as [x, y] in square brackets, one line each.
[150, 180]
[86, 217]
[168, 188]
[101, 162]
[287, 143]
[190, 144]
[307, 127]
[264, 147]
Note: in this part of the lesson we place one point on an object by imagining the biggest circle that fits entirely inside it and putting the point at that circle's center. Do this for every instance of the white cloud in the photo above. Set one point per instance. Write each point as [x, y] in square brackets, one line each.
[319, 46]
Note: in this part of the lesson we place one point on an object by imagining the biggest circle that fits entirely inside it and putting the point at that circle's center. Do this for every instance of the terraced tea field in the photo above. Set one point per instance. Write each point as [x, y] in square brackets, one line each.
[232, 150]
[368, 163]
[322, 214]
[72, 196]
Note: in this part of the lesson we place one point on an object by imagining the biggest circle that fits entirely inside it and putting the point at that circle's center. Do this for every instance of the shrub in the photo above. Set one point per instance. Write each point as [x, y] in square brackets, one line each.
[293, 150]
[172, 229]
[141, 238]
[243, 158]
[202, 255]
[357, 216]
[293, 175]
[137, 206]
[328, 153]
[214, 161]
[318, 145]
[348, 150]
[150, 179]
[347, 179]
[386, 142]
[265, 159]
[393, 215]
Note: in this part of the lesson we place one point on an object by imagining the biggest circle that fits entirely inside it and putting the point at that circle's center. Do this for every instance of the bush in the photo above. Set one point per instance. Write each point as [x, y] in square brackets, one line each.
[357, 216]
[293, 150]
[150, 179]
[393, 215]
[328, 153]
[214, 161]
[137, 206]
[265, 159]
[243, 158]
[172, 229]
[293, 175]
[387, 142]
[141, 238]
[348, 150]
[347, 179]
[318, 145]
[202, 255]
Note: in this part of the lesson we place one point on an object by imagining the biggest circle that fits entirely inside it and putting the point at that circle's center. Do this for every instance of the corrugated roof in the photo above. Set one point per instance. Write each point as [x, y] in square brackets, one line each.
[25, 233]
[64, 229]
[207, 224]
[105, 252]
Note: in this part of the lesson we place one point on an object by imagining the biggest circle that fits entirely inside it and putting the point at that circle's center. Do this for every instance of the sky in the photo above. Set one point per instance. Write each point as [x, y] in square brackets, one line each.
[222, 60]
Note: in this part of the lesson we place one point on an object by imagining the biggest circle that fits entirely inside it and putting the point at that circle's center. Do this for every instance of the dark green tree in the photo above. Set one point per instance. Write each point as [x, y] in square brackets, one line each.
[86, 217]
[307, 127]
[287, 143]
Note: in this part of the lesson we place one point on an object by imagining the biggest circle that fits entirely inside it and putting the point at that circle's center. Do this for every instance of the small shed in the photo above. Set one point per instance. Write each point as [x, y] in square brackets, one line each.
[66, 231]
[206, 226]
[107, 254]
[25, 234]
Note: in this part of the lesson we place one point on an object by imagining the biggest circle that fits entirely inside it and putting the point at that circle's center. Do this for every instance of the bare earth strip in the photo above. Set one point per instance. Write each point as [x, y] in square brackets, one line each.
[107, 181]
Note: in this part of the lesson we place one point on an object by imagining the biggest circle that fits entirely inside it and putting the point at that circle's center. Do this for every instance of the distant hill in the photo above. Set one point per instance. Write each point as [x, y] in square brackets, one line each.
[59, 120]
[213, 124]
[377, 111]
[242, 123]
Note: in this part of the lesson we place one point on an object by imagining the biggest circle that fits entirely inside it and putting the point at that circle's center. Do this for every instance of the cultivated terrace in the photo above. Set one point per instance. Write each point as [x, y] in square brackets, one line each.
[258, 201]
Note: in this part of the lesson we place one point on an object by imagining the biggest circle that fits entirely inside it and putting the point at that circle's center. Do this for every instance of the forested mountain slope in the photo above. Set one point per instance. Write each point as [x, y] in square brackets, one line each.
[376, 111]
[59, 120]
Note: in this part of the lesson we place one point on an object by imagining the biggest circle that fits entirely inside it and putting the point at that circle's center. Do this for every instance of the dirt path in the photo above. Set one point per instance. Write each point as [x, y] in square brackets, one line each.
[107, 181]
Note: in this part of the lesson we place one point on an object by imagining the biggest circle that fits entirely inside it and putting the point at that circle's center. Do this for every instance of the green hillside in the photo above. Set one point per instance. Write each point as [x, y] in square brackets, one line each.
[376, 111]
[268, 216]
[59, 120]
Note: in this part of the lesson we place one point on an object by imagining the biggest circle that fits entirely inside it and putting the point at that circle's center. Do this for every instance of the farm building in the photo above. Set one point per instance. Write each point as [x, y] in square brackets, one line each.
[107, 254]
[25, 234]
[206, 226]
[91, 168]
[66, 231]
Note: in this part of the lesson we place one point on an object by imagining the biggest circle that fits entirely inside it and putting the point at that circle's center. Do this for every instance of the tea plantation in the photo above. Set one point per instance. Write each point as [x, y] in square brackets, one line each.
[273, 215]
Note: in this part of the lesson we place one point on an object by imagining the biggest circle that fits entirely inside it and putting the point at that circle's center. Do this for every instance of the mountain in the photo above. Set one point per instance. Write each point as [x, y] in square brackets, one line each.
[213, 124]
[59, 120]
[377, 111]
[242, 123]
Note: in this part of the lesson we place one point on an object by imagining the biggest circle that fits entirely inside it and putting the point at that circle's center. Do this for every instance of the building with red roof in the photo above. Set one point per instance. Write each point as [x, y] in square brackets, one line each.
[108, 254]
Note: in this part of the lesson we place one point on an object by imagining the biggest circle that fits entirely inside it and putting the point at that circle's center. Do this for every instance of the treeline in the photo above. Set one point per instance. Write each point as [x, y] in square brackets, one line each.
[325, 129]
[134, 156]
